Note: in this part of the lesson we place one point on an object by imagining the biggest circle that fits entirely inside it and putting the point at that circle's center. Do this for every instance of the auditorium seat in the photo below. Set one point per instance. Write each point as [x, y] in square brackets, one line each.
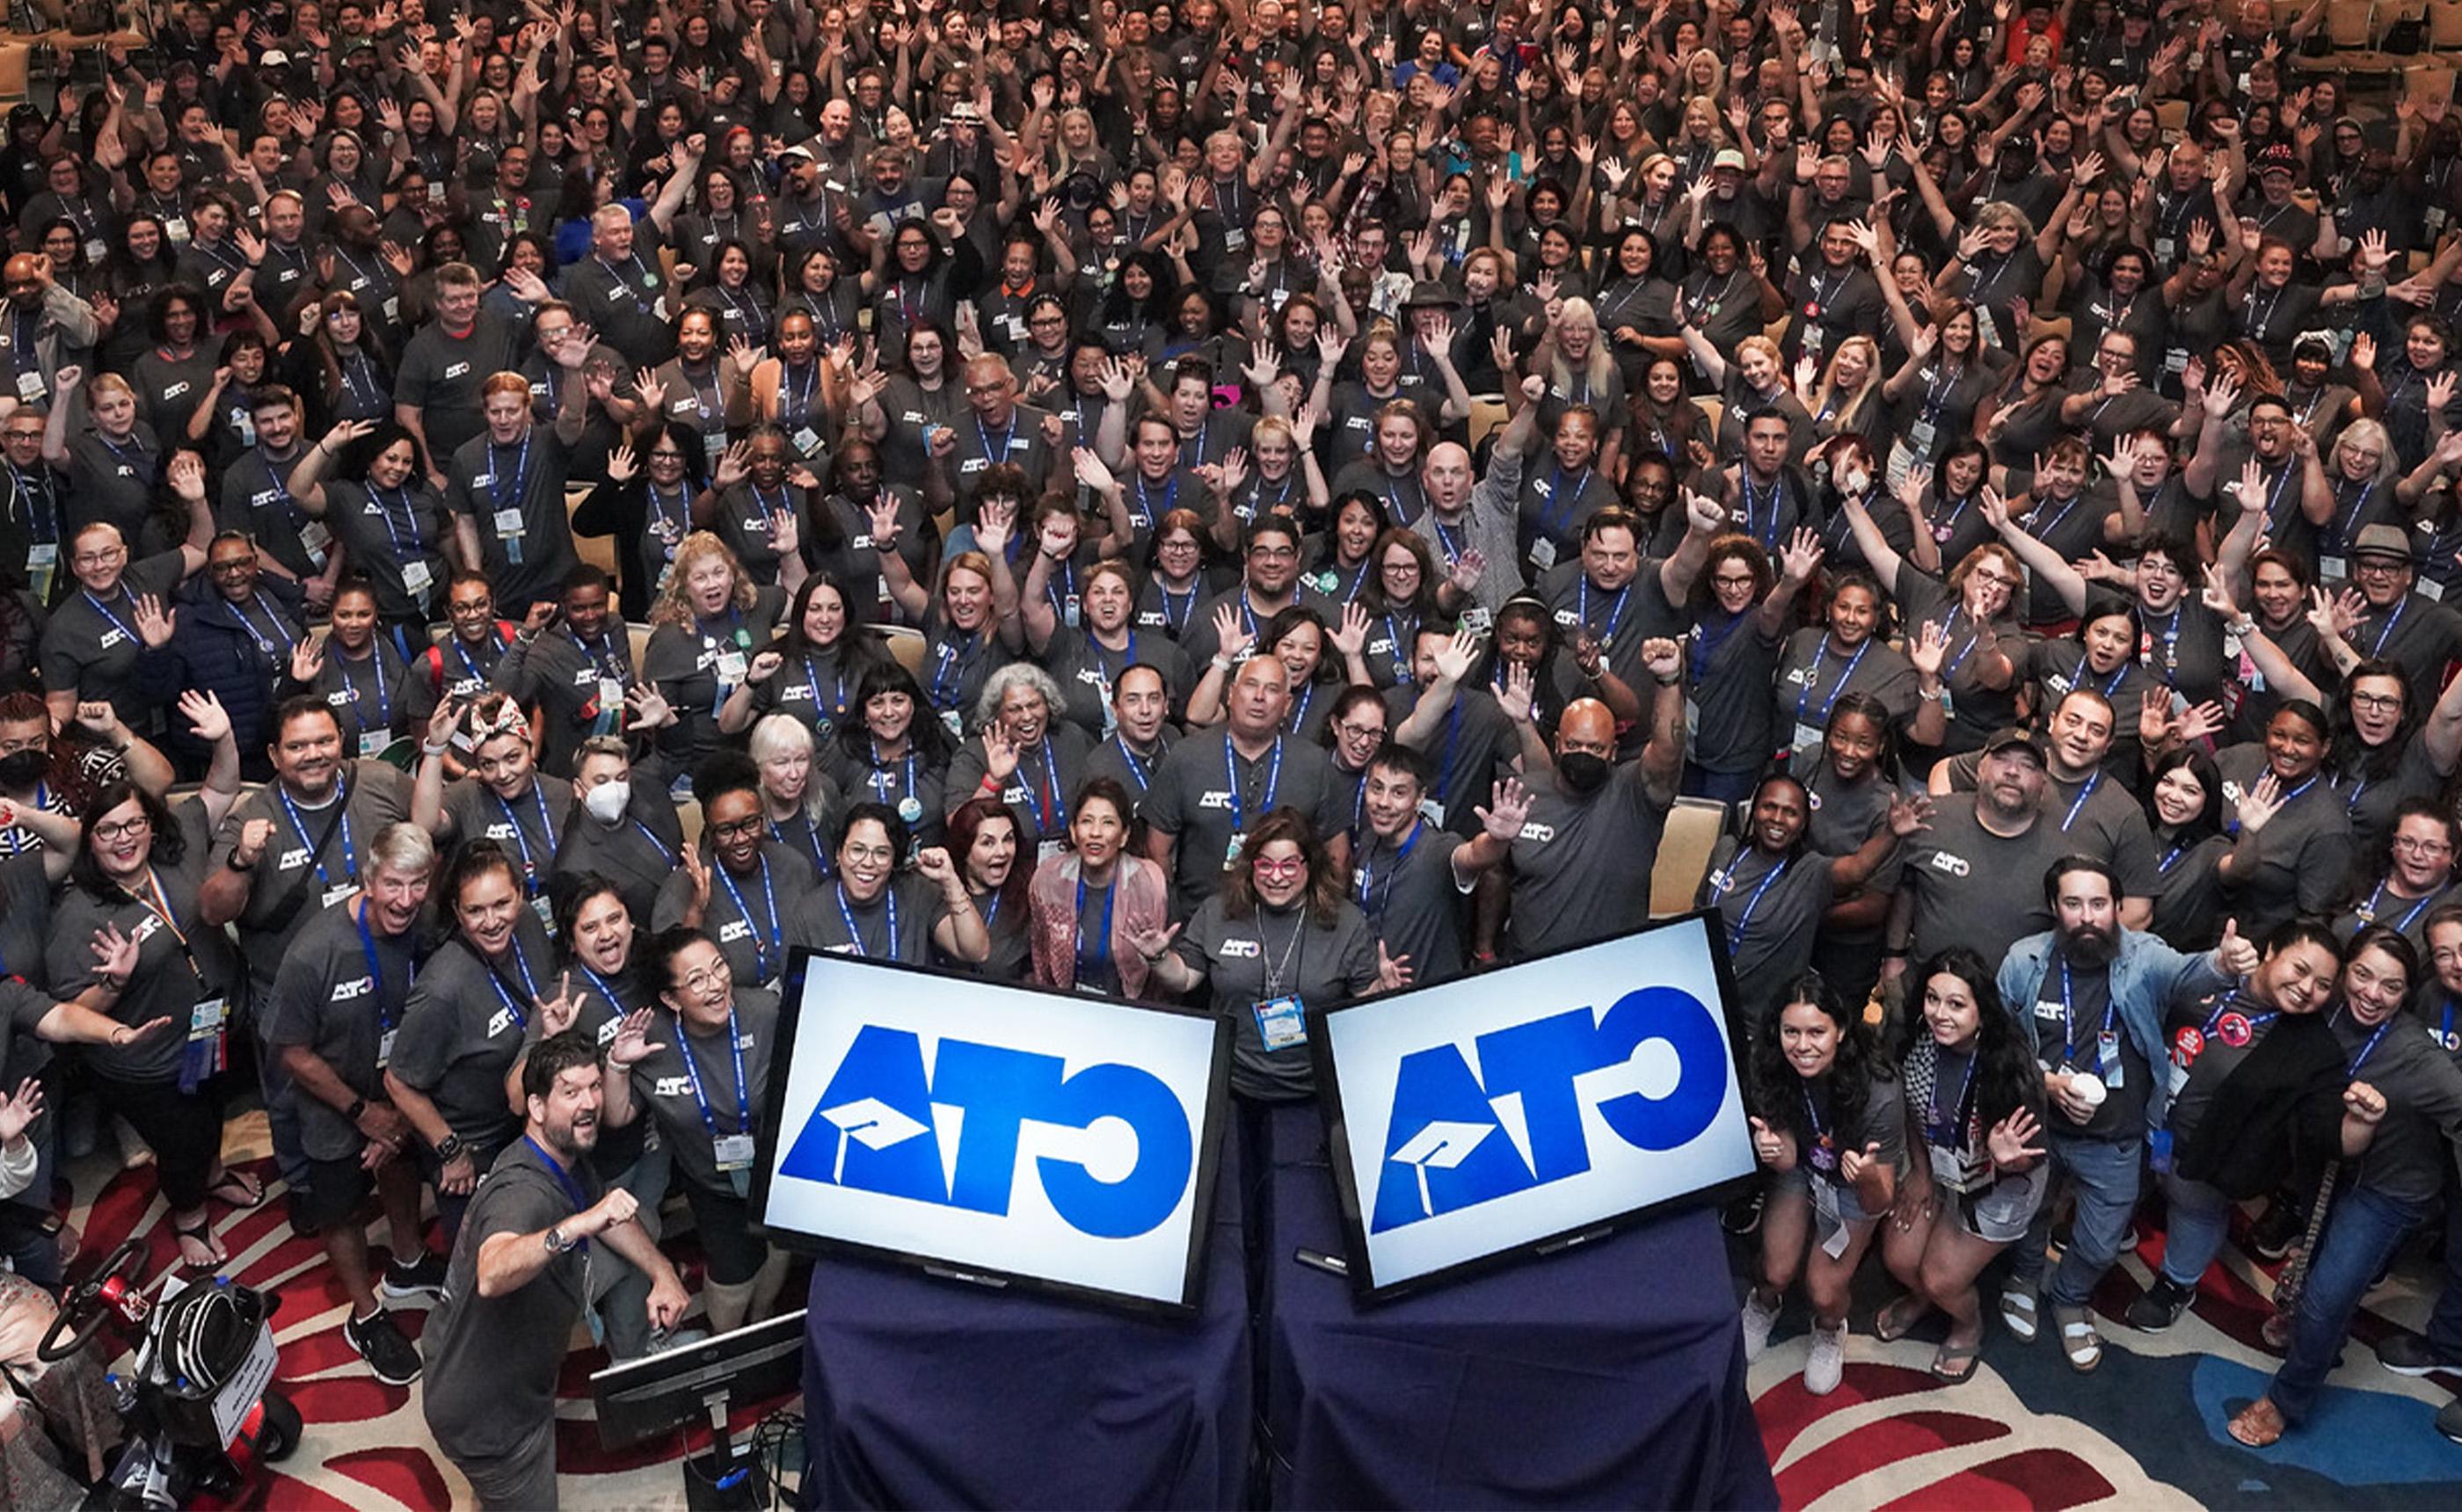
[1692, 828]
[906, 644]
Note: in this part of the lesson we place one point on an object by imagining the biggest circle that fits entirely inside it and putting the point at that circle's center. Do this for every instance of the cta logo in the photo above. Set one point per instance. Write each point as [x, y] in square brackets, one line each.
[1524, 1117]
[950, 1136]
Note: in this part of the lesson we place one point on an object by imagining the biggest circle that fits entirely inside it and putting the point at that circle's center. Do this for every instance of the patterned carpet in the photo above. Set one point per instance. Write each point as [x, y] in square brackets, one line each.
[2145, 1430]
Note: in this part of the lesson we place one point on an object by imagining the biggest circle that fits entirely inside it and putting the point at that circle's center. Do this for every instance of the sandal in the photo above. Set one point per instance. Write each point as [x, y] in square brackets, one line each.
[2018, 1310]
[2259, 1425]
[1894, 1322]
[201, 1235]
[252, 1192]
[1955, 1364]
[2079, 1340]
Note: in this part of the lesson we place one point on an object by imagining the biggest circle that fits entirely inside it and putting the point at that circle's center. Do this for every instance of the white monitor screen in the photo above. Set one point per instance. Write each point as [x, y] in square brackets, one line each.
[1519, 1109]
[994, 1132]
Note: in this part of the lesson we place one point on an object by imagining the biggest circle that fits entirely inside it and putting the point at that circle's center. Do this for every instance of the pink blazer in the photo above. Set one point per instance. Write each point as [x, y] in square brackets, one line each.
[1143, 903]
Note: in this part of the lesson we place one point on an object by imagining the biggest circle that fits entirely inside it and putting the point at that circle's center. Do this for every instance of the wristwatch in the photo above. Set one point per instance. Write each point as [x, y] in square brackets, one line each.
[556, 1243]
[358, 1105]
[449, 1146]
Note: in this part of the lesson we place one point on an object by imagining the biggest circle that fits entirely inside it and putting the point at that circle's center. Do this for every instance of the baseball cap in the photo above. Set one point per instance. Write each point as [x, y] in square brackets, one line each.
[2011, 738]
[1728, 158]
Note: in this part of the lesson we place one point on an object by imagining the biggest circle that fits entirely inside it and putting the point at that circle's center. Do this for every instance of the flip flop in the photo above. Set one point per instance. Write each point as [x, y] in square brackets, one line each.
[2259, 1425]
[202, 1234]
[1894, 1321]
[1955, 1364]
[252, 1191]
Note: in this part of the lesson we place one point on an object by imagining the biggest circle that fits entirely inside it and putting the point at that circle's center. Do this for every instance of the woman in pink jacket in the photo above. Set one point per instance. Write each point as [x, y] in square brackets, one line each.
[1090, 901]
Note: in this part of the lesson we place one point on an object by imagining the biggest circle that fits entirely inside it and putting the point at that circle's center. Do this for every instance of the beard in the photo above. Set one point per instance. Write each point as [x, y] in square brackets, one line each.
[2090, 946]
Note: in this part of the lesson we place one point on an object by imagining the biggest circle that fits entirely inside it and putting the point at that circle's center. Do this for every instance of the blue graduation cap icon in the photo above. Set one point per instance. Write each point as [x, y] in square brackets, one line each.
[1444, 1144]
[874, 1123]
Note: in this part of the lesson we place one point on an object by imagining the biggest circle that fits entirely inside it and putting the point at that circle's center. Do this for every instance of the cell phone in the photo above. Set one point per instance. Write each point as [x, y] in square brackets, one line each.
[1319, 1259]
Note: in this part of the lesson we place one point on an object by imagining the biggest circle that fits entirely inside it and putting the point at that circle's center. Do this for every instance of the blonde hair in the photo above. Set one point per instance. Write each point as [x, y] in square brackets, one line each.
[1599, 367]
[674, 606]
[1852, 406]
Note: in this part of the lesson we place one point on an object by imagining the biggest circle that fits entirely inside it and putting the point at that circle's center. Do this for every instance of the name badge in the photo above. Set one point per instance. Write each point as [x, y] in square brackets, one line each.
[417, 578]
[1046, 850]
[385, 1049]
[339, 895]
[206, 1019]
[30, 386]
[731, 668]
[734, 1151]
[372, 742]
[508, 522]
[1281, 1022]
[1542, 554]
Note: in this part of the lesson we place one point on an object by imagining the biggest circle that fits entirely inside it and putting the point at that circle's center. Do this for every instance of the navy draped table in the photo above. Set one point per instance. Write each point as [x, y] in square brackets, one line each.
[1608, 1375]
[920, 1392]
[1611, 1375]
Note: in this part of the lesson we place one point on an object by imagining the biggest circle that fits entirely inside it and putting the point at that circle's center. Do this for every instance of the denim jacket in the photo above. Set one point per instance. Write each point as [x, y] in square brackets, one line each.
[2147, 977]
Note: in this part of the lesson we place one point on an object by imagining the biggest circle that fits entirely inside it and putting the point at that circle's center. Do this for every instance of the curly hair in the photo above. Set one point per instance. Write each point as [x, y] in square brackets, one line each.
[1324, 886]
[674, 603]
[1853, 1069]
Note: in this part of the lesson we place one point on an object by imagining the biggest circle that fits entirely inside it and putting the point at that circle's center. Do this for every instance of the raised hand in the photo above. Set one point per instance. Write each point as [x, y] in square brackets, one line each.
[2260, 803]
[2237, 954]
[207, 719]
[24, 1105]
[1930, 652]
[1393, 972]
[1232, 638]
[154, 622]
[1507, 811]
[1800, 557]
[1910, 814]
[1351, 635]
[632, 1043]
[1000, 752]
[1454, 661]
[2010, 1141]
[1774, 1148]
[1519, 698]
[558, 1013]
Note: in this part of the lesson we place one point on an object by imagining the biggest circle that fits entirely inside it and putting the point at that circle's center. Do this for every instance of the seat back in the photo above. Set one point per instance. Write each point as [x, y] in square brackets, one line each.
[1684, 848]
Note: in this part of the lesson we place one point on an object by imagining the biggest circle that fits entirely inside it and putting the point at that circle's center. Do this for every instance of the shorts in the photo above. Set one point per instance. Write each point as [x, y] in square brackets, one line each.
[2000, 1213]
[724, 1223]
[336, 1191]
[1799, 1183]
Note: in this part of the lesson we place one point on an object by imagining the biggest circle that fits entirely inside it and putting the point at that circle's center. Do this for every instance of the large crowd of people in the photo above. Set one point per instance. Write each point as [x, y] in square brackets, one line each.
[1248, 502]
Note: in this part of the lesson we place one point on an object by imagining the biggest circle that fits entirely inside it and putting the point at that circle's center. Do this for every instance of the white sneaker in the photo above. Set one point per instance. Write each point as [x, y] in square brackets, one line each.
[1828, 1364]
[1759, 1321]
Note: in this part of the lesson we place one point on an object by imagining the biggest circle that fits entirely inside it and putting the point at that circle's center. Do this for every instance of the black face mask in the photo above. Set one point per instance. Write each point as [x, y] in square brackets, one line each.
[24, 769]
[1582, 771]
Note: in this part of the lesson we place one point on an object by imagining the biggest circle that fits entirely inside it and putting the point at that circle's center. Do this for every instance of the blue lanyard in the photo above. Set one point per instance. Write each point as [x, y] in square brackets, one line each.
[2068, 1020]
[472, 663]
[376, 971]
[854, 936]
[1812, 680]
[1008, 438]
[520, 1015]
[1148, 514]
[1735, 930]
[812, 837]
[812, 680]
[743, 910]
[1393, 873]
[1046, 792]
[1939, 1129]
[342, 796]
[1102, 951]
[2079, 802]
[1445, 540]
[880, 773]
[546, 833]
[496, 474]
[384, 695]
[2077, 679]
[2369, 913]
[41, 509]
[116, 623]
[1137, 768]
[2224, 1007]
[2386, 630]
[2371, 1047]
[1778, 499]
[263, 643]
[1401, 654]
[1175, 628]
[692, 1075]
[1445, 768]
[614, 1002]
[572, 1189]
[1615, 612]
[410, 517]
[1949, 620]
[1231, 773]
[1561, 503]
[2171, 858]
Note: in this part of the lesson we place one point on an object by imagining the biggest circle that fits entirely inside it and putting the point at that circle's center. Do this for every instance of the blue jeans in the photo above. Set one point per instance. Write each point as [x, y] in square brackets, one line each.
[2104, 1172]
[2193, 1233]
[2360, 1234]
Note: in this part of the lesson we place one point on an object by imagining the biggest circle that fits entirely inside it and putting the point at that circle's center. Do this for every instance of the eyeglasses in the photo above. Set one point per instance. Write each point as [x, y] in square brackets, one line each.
[2013, 584]
[122, 829]
[231, 567]
[1275, 553]
[1734, 579]
[1293, 866]
[102, 558]
[986, 390]
[707, 977]
[740, 826]
[2377, 703]
[2415, 846]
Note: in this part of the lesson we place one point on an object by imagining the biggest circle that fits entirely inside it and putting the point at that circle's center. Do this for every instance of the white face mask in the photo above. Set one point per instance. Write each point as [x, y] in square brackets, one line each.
[606, 802]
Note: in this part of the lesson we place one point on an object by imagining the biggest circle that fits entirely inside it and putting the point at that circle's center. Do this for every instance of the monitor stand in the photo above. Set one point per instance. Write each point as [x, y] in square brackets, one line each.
[728, 1477]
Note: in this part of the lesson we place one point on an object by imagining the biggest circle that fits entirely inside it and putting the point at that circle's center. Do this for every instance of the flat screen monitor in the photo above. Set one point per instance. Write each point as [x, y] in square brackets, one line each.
[642, 1398]
[1531, 1108]
[998, 1134]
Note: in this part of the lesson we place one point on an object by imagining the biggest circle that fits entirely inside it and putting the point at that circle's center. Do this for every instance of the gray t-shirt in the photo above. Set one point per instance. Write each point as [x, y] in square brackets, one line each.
[664, 1087]
[302, 861]
[465, 1026]
[342, 997]
[1581, 868]
[2303, 854]
[1252, 963]
[1207, 792]
[493, 1362]
[1976, 888]
[180, 962]
[1771, 907]
[1411, 899]
[755, 919]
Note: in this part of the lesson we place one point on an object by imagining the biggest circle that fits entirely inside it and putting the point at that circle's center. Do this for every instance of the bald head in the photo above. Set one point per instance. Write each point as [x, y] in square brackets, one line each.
[1586, 726]
[1446, 478]
[1260, 695]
